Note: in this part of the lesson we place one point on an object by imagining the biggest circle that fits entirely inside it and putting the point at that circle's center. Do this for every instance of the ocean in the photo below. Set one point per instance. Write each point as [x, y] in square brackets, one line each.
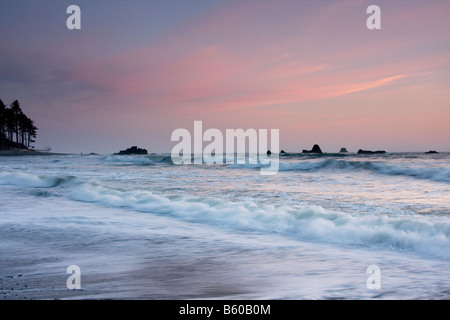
[141, 227]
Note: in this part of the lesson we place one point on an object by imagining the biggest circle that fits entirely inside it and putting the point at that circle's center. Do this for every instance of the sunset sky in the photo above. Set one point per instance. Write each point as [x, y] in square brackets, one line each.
[137, 70]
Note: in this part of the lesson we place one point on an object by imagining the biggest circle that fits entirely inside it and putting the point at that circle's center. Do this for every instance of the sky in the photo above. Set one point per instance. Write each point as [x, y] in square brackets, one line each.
[138, 70]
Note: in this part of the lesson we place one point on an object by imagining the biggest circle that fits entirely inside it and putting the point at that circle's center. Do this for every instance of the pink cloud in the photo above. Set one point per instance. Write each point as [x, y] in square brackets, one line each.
[210, 70]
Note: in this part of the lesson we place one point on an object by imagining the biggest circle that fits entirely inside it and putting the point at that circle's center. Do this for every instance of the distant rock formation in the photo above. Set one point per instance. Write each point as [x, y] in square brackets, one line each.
[133, 150]
[269, 152]
[360, 151]
[432, 151]
[343, 150]
[283, 152]
[315, 149]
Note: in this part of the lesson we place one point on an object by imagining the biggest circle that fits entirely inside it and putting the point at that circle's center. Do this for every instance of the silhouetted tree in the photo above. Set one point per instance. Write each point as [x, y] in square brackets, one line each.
[30, 132]
[2, 125]
[16, 129]
[16, 114]
[9, 124]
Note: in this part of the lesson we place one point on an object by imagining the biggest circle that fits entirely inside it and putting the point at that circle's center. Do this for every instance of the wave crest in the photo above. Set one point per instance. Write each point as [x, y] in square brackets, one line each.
[435, 174]
[21, 179]
[428, 235]
[138, 160]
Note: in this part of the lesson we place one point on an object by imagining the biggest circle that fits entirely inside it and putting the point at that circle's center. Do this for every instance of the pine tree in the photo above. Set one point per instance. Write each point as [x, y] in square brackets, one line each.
[16, 114]
[2, 125]
[17, 130]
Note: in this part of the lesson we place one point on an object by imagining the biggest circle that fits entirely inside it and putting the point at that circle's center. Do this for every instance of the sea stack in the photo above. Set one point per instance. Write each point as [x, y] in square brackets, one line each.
[315, 149]
[133, 150]
[343, 150]
[360, 151]
[431, 151]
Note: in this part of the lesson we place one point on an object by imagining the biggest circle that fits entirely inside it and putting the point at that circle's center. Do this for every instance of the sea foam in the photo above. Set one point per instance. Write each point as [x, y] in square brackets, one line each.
[435, 174]
[137, 160]
[427, 235]
[21, 179]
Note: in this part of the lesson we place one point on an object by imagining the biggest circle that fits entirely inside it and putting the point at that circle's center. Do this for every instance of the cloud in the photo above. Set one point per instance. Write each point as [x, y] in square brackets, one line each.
[280, 60]
[238, 57]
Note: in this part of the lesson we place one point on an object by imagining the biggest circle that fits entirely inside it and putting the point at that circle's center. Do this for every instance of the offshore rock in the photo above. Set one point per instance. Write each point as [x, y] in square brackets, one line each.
[315, 149]
[133, 150]
[360, 151]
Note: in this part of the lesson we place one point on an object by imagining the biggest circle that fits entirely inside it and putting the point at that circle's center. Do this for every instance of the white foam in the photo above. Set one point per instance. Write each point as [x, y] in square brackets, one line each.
[21, 179]
[122, 159]
[424, 234]
[427, 234]
[430, 173]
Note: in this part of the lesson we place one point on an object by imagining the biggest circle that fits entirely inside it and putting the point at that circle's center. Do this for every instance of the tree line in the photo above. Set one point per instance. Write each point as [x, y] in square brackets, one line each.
[17, 130]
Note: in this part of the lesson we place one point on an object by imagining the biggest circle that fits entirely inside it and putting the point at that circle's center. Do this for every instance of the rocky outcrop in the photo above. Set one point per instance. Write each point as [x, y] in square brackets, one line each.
[315, 149]
[432, 151]
[360, 151]
[133, 150]
[343, 150]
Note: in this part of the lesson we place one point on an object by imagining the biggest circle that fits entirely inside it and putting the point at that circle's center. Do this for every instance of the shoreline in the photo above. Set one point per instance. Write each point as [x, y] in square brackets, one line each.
[10, 153]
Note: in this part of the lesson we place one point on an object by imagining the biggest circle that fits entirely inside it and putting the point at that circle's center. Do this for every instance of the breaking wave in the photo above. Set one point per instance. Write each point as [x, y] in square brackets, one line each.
[435, 174]
[423, 234]
[138, 160]
[21, 179]
[379, 167]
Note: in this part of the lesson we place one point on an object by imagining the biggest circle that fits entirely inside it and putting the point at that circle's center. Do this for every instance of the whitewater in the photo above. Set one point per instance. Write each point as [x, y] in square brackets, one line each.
[140, 227]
